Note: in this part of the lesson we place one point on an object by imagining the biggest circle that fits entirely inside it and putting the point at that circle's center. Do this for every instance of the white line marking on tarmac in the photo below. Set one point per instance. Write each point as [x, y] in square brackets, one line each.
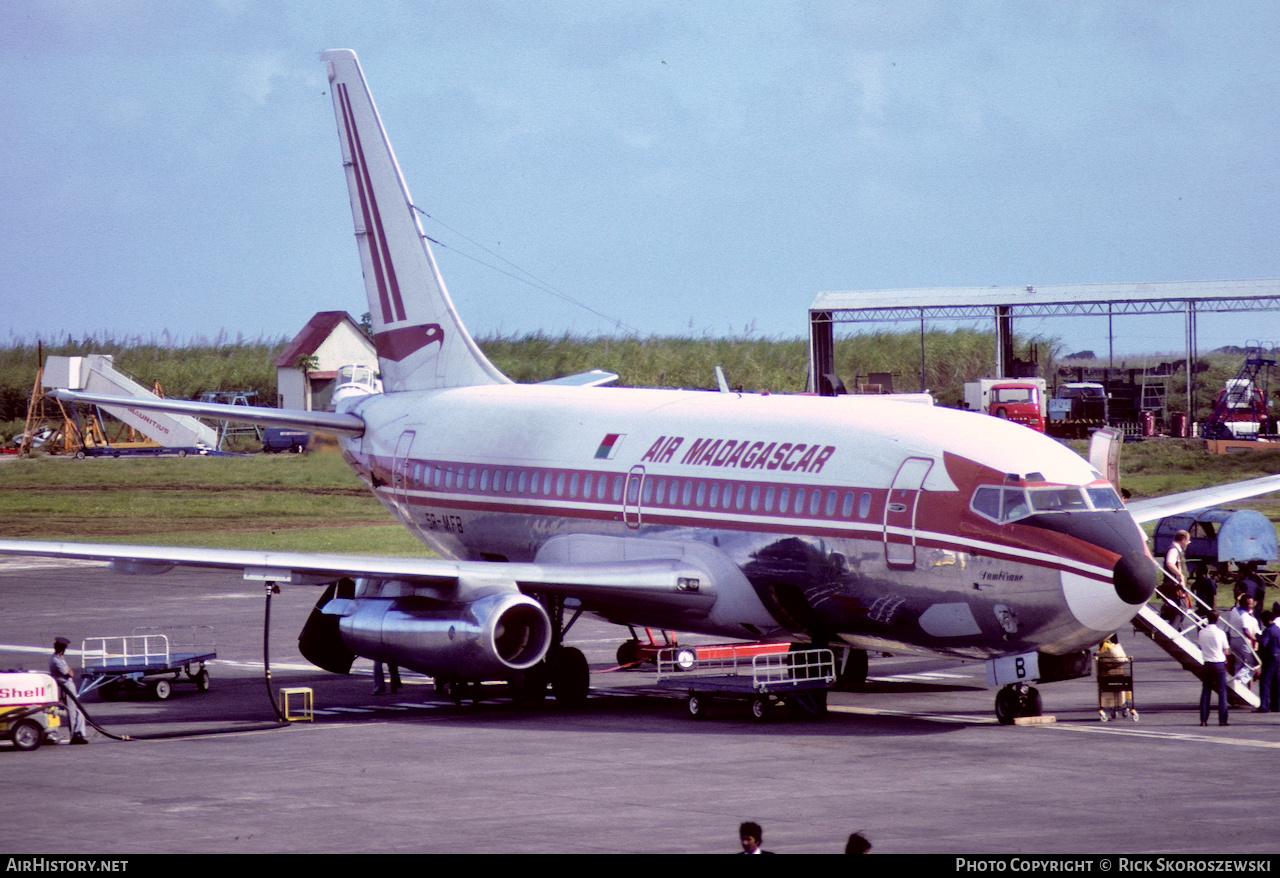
[1099, 729]
[47, 650]
[930, 717]
[15, 565]
[1168, 736]
[257, 666]
[924, 675]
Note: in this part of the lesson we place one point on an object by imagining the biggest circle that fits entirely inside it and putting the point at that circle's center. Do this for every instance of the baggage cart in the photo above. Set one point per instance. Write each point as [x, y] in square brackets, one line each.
[148, 660]
[765, 676]
[1115, 688]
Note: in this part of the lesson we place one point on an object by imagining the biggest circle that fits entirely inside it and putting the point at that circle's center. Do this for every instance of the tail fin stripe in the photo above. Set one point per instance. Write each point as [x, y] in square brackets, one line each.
[421, 342]
[375, 234]
[384, 246]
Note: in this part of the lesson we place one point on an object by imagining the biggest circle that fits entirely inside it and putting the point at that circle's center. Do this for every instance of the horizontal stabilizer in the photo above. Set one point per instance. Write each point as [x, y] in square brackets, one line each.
[592, 378]
[329, 422]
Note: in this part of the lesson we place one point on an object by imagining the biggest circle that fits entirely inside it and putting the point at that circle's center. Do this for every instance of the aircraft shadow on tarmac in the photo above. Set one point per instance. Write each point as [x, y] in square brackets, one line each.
[241, 701]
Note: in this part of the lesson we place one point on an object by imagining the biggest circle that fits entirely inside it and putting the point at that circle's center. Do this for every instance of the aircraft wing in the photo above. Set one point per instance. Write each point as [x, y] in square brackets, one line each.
[1185, 501]
[331, 422]
[662, 584]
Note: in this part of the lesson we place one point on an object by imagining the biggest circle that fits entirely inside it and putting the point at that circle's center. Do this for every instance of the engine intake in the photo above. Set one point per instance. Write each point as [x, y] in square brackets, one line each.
[489, 638]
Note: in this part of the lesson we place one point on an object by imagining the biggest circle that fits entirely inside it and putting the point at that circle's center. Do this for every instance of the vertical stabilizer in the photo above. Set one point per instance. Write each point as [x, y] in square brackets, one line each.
[421, 342]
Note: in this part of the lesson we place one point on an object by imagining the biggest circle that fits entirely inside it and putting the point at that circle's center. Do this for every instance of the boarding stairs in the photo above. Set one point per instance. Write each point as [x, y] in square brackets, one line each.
[95, 373]
[1179, 641]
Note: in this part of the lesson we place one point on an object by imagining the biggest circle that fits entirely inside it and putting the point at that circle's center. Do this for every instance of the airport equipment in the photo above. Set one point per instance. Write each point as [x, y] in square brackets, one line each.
[149, 659]
[767, 676]
[1115, 678]
[636, 651]
[284, 439]
[29, 708]
[1240, 411]
[297, 703]
[233, 429]
[1219, 534]
[96, 373]
[1182, 646]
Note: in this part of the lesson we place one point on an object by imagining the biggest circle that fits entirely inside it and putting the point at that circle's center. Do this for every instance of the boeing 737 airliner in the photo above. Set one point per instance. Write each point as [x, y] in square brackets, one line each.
[856, 522]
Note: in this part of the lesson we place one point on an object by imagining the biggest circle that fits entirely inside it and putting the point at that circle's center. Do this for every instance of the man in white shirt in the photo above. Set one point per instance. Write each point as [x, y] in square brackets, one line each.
[1174, 585]
[1245, 632]
[1213, 646]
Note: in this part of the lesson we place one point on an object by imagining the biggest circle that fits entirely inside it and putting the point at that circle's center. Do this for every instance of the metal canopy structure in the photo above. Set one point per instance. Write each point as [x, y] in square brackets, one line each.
[1004, 304]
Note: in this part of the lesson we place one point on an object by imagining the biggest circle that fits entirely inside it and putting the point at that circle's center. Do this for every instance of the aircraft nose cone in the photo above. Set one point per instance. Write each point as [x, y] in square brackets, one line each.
[1135, 577]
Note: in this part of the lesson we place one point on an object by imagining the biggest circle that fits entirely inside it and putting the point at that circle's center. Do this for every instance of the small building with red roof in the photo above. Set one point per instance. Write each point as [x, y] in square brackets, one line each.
[308, 367]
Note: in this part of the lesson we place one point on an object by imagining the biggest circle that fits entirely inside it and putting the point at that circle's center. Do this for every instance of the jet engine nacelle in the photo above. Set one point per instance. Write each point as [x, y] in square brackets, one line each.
[491, 637]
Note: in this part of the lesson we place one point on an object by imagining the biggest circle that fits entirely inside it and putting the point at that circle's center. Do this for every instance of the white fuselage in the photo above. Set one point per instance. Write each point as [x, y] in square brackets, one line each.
[830, 518]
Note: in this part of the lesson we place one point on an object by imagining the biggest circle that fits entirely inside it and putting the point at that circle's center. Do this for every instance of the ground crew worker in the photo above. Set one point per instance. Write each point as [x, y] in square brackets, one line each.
[60, 670]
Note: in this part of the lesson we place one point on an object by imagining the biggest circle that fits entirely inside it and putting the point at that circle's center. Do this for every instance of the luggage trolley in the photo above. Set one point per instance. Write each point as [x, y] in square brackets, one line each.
[1115, 688]
[150, 659]
[742, 672]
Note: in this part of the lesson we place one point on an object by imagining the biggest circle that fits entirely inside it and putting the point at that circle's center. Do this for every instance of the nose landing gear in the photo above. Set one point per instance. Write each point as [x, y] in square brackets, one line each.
[1017, 700]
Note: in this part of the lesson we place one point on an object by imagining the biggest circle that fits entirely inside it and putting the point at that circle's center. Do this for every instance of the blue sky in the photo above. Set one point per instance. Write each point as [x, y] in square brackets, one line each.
[681, 167]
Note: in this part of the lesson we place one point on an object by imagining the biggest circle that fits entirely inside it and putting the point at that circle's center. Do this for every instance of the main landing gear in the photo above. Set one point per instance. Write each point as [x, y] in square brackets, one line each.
[564, 669]
[564, 672]
[1017, 700]
[851, 669]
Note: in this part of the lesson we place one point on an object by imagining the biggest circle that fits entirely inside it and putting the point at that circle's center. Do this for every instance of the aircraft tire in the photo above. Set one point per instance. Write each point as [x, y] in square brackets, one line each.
[1033, 705]
[570, 676]
[27, 735]
[530, 687]
[810, 704]
[852, 674]
[1007, 705]
[1013, 702]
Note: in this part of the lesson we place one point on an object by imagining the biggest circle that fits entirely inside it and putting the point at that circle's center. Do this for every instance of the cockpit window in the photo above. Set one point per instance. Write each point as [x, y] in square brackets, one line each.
[1057, 499]
[1104, 497]
[1006, 504]
[1000, 504]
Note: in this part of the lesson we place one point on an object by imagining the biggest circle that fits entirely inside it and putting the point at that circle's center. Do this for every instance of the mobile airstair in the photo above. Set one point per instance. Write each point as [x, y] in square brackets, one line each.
[1178, 638]
[96, 373]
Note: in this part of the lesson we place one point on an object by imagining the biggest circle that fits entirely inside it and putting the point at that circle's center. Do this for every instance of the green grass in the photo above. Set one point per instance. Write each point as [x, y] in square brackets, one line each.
[1155, 468]
[387, 539]
[952, 357]
[300, 502]
[184, 369]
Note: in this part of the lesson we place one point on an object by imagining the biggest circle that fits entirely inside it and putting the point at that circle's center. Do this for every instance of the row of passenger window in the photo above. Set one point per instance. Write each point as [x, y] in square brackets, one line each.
[656, 491]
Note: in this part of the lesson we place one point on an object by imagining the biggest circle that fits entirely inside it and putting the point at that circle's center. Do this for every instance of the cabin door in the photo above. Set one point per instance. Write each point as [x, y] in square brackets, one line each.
[900, 512]
[402, 470]
[631, 497]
